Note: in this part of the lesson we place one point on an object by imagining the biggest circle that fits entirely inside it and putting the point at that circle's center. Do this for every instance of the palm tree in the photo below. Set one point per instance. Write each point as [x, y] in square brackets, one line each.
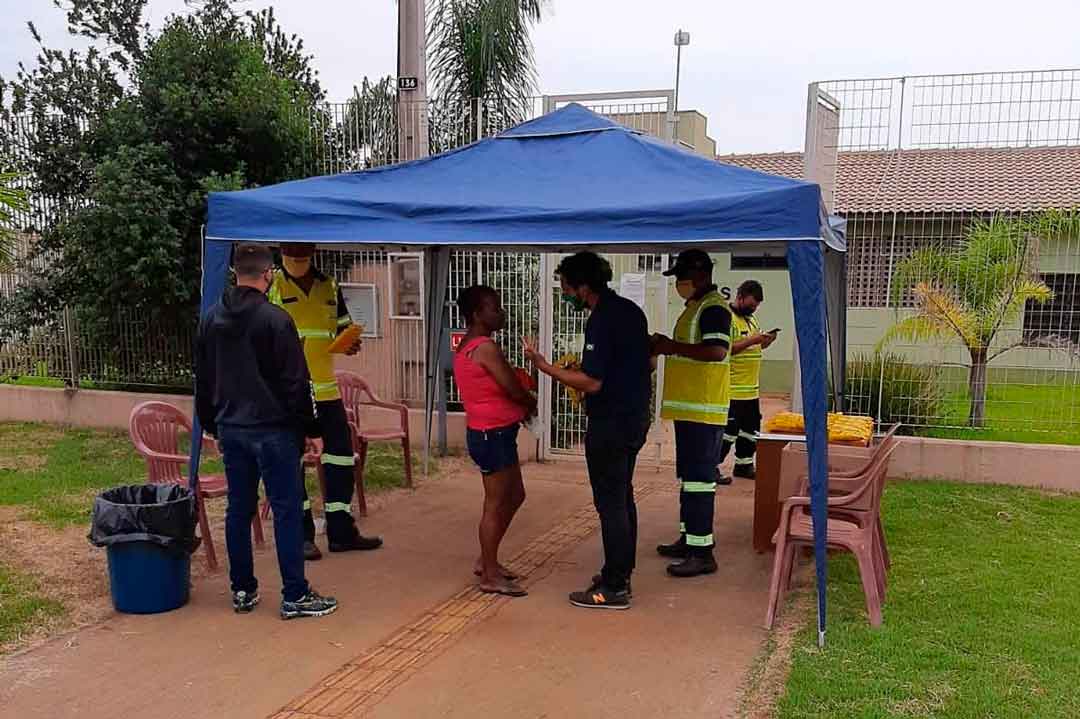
[369, 130]
[480, 51]
[13, 200]
[970, 292]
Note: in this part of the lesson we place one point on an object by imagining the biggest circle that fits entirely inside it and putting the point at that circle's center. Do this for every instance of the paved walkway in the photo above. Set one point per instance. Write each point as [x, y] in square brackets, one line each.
[413, 638]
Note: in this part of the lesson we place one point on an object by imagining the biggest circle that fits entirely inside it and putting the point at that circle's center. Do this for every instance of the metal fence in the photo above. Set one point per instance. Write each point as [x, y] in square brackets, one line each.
[370, 130]
[960, 194]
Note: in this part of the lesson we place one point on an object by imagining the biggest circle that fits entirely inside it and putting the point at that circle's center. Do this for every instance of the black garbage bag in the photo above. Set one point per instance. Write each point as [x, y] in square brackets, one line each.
[164, 514]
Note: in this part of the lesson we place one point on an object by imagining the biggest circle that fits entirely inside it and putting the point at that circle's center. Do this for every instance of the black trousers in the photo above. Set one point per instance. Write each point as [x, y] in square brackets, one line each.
[611, 449]
[697, 452]
[744, 423]
[338, 462]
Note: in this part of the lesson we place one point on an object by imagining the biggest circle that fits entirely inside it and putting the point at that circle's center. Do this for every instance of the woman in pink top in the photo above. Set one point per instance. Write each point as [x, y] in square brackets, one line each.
[495, 405]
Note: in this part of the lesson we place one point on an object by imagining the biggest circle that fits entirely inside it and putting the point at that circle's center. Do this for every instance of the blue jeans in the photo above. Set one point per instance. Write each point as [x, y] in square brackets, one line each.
[274, 455]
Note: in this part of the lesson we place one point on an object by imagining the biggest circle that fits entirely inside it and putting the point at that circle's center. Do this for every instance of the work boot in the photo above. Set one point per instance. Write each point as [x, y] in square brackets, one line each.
[744, 471]
[693, 565]
[675, 550]
[311, 551]
[721, 478]
[343, 536]
[356, 543]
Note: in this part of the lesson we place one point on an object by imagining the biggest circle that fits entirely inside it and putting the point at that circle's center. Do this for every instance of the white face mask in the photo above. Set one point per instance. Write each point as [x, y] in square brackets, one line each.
[296, 266]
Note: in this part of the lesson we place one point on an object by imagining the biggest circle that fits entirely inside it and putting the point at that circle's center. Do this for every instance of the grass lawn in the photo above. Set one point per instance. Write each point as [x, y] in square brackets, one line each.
[982, 618]
[53, 473]
[1039, 414]
[22, 605]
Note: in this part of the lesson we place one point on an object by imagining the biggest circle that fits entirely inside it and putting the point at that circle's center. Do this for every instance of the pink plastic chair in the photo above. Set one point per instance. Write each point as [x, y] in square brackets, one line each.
[359, 400]
[155, 429]
[856, 530]
[842, 483]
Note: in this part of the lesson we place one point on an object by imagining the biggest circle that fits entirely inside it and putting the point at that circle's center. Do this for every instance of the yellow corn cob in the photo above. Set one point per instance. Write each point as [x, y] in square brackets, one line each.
[842, 428]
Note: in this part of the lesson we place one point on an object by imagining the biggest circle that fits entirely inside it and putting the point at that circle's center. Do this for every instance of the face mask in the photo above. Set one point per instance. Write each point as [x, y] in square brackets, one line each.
[576, 302]
[685, 288]
[296, 266]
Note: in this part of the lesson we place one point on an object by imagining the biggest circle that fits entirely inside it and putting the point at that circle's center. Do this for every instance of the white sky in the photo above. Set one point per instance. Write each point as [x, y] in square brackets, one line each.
[747, 66]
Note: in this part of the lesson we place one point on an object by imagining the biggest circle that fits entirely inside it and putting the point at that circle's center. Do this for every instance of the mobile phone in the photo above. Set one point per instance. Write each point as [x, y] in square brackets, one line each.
[774, 331]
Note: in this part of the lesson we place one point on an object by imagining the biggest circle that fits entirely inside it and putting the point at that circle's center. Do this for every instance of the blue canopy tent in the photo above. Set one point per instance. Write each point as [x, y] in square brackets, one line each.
[563, 182]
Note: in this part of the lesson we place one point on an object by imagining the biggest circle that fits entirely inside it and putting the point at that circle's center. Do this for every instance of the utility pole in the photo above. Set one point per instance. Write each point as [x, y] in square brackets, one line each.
[682, 39]
[412, 81]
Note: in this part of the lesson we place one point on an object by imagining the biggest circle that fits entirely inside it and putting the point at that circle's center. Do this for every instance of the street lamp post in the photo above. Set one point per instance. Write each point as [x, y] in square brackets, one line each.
[682, 38]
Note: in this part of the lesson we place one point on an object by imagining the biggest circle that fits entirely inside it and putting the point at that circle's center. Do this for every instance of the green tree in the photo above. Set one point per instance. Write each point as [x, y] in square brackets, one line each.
[131, 134]
[972, 291]
[481, 50]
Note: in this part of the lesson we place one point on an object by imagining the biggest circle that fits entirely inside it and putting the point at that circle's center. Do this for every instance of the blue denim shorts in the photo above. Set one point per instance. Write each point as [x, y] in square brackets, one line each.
[493, 450]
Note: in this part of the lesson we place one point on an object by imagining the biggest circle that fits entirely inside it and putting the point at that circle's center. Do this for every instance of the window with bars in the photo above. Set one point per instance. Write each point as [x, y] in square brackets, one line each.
[878, 244]
[1058, 320]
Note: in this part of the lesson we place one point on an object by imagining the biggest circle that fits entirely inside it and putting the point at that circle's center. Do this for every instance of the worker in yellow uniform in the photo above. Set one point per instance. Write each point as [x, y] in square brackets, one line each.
[747, 343]
[315, 303]
[696, 395]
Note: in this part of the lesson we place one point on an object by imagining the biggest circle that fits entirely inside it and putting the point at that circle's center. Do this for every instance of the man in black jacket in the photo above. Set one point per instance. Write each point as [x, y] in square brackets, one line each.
[254, 394]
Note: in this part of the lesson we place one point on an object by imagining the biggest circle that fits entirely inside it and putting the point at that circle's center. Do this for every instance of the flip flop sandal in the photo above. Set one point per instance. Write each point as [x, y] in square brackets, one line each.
[508, 591]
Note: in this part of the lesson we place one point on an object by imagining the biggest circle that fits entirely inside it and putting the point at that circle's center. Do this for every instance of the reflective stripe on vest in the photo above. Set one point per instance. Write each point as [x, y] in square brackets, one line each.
[696, 391]
[315, 316]
[745, 366]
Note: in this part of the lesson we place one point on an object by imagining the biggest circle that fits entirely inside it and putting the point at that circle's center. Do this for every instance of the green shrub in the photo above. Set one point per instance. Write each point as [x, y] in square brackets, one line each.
[891, 390]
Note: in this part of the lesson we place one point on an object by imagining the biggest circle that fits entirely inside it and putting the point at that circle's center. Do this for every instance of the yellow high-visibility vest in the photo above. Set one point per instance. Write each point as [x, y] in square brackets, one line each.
[316, 317]
[697, 391]
[746, 365]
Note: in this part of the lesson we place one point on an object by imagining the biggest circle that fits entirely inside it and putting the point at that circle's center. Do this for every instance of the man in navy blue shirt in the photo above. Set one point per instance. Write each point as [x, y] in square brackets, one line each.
[615, 377]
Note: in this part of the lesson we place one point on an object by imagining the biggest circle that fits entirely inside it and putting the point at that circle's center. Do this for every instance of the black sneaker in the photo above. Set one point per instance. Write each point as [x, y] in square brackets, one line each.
[358, 543]
[598, 581]
[692, 566]
[721, 478]
[600, 597]
[675, 550]
[244, 602]
[311, 551]
[311, 604]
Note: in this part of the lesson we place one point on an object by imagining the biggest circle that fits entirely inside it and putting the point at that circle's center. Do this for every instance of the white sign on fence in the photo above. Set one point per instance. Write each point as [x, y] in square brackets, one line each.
[632, 287]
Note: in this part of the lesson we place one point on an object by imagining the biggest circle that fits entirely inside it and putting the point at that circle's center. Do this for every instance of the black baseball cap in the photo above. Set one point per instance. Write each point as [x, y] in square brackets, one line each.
[690, 261]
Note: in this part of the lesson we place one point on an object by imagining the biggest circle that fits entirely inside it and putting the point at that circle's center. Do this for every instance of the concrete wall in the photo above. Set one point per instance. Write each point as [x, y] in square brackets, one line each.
[1041, 466]
[1053, 467]
[110, 410]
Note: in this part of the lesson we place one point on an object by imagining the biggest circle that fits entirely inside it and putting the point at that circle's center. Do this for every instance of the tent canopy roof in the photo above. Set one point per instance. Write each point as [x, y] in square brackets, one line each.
[571, 178]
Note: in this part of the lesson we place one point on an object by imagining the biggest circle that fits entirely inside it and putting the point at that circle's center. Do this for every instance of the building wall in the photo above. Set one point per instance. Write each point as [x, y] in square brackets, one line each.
[692, 131]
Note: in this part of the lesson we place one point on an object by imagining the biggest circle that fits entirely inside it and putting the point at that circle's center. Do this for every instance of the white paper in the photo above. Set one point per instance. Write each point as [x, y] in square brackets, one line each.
[632, 287]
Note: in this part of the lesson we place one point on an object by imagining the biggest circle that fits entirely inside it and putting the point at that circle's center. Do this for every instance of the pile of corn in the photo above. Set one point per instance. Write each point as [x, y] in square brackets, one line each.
[842, 427]
[570, 361]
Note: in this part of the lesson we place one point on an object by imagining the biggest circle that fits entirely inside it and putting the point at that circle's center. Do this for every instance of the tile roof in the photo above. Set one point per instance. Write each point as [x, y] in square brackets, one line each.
[948, 180]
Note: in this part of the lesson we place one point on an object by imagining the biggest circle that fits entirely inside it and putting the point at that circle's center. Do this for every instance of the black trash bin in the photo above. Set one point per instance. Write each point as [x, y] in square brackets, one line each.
[149, 534]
